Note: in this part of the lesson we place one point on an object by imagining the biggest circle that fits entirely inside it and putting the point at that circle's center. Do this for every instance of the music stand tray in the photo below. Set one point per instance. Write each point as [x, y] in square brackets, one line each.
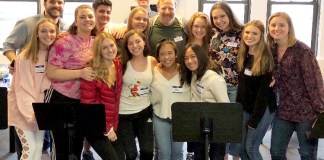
[87, 117]
[190, 118]
[318, 130]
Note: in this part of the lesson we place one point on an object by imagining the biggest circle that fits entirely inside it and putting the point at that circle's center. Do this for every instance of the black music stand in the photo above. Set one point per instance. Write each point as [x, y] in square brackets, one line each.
[3, 108]
[87, 118]
[4, 118]
[207, 122]
[318, 130]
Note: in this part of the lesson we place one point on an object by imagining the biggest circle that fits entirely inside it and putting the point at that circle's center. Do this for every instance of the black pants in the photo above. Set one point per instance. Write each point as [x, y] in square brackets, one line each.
[136, 125]
[105, 148]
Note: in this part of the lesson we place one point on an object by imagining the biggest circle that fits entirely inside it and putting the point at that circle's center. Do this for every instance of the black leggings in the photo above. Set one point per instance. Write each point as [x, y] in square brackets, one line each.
[136, 125]
[105, 148]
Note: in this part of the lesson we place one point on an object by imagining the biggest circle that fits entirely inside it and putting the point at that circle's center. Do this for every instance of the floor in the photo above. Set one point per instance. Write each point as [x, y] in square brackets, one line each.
[292, 153]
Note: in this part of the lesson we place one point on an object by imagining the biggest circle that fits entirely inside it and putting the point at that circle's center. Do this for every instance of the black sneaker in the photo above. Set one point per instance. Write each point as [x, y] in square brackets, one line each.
[87, 155]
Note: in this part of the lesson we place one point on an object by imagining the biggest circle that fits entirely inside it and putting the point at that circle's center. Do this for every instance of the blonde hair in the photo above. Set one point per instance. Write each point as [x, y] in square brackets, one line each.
[263, 61]
[97, 63]
[131, 16]
[32, 48]
[208, 28]
[291, 33]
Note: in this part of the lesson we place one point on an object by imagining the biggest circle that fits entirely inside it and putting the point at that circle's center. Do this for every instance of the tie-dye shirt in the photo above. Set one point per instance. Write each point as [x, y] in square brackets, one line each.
[70, 52]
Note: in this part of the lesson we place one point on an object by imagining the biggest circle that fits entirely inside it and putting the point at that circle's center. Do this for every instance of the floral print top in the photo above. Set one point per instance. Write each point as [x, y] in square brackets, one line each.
[224, 47]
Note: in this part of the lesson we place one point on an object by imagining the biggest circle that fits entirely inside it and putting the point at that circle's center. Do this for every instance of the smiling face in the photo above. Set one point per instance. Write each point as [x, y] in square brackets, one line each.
[166, 10]
[139, 21]
[220, 19]
[108, 49]
[54, 8]
[85, 20]
[46, 35]
[136, 45]
[279, 28]
[167, 56]
[102, 14]
[191, 60]
[199, 28]
[251, 36]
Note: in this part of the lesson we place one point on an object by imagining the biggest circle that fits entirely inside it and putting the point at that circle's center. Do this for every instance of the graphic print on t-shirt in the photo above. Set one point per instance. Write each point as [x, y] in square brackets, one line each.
[138, 90]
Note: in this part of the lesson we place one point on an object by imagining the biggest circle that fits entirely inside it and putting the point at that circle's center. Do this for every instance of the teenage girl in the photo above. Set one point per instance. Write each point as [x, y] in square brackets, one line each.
[135, 110]
[28, 86]
[104, 89]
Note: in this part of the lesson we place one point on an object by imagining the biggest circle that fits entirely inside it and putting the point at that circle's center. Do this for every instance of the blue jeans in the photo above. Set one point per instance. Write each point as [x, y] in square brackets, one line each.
[252, 138]
[168, 149]
[232, 93]
[281, 133]
[232, 148]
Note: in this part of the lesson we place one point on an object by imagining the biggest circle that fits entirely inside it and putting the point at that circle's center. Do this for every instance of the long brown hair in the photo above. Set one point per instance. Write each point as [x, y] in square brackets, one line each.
[291, 33]
[32, 48]
[263, 60]
[234, 23]
[204, 63]
[127, 55]
[97, 63]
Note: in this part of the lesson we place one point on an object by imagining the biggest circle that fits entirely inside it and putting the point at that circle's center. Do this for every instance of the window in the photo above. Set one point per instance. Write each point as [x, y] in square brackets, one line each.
[69, 8]
[10, 13]
[241, 8]
[305, 20]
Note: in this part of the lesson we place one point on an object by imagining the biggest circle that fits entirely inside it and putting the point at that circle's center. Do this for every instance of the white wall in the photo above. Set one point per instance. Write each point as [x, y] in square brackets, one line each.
[121, 9]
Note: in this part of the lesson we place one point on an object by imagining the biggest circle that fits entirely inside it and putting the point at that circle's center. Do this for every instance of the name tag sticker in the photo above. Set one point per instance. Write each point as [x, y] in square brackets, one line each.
[40, 69]
[232, 44]
[200, 88]
[178, 39]
[177, 89]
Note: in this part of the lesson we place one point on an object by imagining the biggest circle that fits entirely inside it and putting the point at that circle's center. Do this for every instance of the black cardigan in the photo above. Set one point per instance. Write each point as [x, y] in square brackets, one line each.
[255, 94]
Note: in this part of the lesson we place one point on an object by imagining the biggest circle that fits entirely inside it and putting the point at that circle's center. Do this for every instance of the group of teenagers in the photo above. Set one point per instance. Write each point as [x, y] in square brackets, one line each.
[159, 61]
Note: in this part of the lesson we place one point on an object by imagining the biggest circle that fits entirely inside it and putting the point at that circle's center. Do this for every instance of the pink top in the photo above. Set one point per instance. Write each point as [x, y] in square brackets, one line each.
[28, 85]
[70, 52]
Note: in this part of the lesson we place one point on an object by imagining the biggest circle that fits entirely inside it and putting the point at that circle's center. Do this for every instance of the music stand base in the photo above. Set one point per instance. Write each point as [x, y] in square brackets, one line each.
[206, 147]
